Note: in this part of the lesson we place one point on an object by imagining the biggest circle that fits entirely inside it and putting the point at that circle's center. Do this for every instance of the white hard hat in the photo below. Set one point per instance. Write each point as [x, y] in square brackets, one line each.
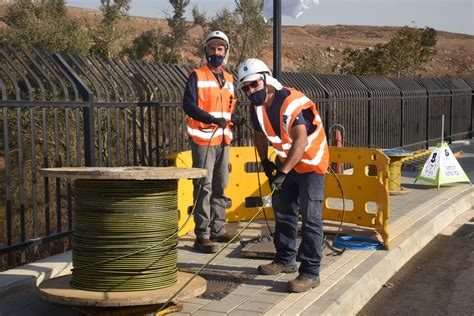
[220, 36]
[254, 69]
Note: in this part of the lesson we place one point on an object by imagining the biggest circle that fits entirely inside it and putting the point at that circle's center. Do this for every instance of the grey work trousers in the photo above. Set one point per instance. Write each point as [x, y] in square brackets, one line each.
[210, 201]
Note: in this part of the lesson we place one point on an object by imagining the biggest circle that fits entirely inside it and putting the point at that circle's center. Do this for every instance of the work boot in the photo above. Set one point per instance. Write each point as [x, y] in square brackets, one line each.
[204, 245]
[276, 267]
[302, 284]
[225, 237]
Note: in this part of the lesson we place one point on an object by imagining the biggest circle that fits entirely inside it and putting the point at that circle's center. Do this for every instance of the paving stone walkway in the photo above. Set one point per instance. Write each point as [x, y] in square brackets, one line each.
[348, 281]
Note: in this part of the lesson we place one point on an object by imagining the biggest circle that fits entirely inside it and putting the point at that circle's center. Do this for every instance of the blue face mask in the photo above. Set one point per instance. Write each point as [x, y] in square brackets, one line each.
[215, 60]
[258, 97]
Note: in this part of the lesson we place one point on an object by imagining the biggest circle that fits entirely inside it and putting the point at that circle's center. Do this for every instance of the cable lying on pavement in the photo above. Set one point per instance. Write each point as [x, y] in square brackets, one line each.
[356, 243]
[215, 255]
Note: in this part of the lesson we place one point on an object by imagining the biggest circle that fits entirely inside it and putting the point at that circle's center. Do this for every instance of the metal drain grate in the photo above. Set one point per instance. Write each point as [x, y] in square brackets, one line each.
[262, 247]
[220, 283]
[466, 230]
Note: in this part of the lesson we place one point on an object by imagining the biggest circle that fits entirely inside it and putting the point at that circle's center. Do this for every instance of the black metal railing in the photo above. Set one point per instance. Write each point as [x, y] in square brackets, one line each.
[71, 110]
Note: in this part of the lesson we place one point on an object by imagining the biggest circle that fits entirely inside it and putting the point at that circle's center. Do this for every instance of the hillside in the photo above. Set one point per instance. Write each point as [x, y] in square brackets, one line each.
[455, 57]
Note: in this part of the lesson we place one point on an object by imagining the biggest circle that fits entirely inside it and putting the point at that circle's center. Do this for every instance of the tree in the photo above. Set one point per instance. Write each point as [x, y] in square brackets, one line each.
[107, 36]
[366, 61]
[44, 25]
[409, 50]
[177, 23]
[147, 44]
[244, 26]
[253, 33]
[403, 55]
[159, 46]
[313, 62]
[199, 18]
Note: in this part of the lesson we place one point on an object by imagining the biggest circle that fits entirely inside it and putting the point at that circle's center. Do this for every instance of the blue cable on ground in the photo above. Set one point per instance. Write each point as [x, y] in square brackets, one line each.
[356, 243]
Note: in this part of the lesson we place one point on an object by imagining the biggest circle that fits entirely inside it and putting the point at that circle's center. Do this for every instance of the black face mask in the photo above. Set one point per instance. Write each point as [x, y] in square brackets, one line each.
[258, 97]
[215, 60]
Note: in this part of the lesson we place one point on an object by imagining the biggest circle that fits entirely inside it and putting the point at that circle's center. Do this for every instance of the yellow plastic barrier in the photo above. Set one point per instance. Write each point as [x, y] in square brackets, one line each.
[366, 197]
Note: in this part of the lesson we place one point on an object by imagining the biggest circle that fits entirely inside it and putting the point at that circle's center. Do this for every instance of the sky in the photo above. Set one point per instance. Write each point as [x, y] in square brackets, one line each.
[444, 15]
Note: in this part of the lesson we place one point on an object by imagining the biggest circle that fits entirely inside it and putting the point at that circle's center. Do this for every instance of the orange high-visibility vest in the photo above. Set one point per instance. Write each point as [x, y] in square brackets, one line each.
[316, 155]
[217, 101]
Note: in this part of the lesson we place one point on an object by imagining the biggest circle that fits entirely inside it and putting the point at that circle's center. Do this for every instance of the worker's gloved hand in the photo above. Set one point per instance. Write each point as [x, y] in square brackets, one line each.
[268, 167]
[219, 121]
[277, 181]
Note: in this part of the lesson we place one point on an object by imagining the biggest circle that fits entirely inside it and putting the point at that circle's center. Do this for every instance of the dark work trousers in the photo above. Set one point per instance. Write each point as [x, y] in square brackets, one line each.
[303, 192]
[210, 209]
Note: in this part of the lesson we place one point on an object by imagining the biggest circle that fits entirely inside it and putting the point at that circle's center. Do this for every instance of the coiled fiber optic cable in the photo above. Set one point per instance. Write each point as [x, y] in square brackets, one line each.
[171, 240]
[114, 218]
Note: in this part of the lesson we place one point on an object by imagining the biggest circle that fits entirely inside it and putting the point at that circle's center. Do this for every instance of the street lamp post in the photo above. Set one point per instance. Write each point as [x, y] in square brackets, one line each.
[277, 39]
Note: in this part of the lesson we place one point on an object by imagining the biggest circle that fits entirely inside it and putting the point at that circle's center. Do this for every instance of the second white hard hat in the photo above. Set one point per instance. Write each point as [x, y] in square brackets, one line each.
[254, 69]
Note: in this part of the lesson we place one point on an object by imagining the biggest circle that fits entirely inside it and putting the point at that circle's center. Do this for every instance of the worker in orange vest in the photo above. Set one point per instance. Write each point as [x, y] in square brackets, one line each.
[209, 101]
[289, 121]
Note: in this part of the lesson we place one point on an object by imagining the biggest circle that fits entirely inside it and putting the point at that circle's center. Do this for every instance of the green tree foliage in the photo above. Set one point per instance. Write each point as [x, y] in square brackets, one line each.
[159, 46]
[253, 33]
[107, 37]
[147, 44]
[312, 61]
[403, 55]
[244, 26]
[199, 18]
[44, 25]
[175, 40]
[367, 61]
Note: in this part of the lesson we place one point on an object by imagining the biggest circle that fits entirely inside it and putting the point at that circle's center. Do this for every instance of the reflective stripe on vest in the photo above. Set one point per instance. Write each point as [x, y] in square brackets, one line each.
[206, 134]
[290, 110]
[316, 156]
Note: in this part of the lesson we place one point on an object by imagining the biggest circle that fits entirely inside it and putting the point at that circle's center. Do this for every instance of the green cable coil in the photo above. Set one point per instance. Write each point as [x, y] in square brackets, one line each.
[125, 235]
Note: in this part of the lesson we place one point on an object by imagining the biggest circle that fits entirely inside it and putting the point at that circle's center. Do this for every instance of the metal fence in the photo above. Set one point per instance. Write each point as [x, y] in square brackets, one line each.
[71, 110]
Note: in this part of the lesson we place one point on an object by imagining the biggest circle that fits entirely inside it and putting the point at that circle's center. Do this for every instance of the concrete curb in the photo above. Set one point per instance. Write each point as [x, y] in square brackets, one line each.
[360, 285]
[32, 274]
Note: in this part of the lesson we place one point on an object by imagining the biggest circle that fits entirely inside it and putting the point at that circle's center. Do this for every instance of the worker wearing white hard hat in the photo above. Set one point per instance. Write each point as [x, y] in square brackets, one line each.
[289, 121]
[217, 38]
[209, 102]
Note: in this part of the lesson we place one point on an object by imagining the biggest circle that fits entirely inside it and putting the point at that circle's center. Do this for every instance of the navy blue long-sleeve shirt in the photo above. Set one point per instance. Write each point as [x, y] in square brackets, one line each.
[190, 101]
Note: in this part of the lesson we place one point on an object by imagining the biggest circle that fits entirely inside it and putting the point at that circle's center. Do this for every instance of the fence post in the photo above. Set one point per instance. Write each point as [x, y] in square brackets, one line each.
[89, 134]
[472, 112]
[370, 118]
[428, 102]
[89, 119]
[328, 117]
[402, 118]
[451, 114]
